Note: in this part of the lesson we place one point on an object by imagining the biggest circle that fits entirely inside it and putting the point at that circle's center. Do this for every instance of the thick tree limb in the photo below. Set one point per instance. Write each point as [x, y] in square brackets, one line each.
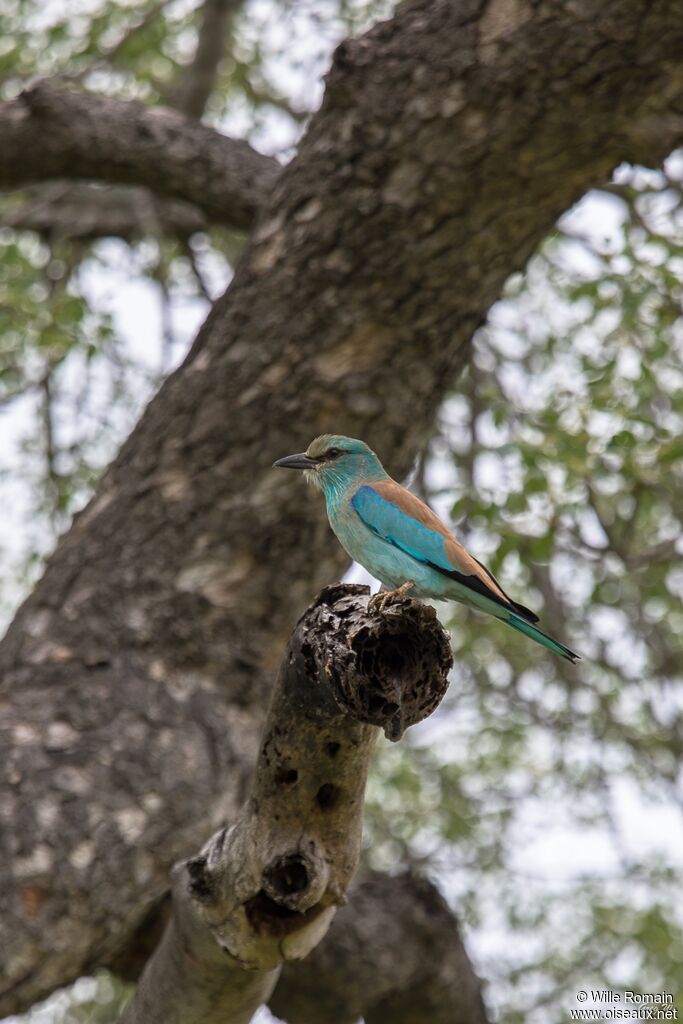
[265, 890]
[392, 956]
[134, 678]
[393, 950]
[79, 211]
[67, 210]
[53, 132]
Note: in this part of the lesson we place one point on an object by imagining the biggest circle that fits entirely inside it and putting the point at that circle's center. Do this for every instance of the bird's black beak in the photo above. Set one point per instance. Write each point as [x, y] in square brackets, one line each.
[300, 461]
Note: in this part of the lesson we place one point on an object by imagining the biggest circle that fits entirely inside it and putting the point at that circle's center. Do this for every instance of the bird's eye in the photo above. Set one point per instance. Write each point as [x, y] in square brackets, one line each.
[333, 453]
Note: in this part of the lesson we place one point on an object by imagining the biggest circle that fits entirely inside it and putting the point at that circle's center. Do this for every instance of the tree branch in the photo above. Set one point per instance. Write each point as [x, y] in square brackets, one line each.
[62, 210]
[65, 210]
[53, 132]
[392, 956]
[192, 91]
[393, 949]
[265, 890]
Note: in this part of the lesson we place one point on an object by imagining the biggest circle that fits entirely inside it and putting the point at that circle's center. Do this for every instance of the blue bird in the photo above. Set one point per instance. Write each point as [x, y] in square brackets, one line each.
[398, 538]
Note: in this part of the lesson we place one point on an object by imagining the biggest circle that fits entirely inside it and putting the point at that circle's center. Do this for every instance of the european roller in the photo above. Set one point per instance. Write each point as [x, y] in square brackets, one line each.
[400, 540]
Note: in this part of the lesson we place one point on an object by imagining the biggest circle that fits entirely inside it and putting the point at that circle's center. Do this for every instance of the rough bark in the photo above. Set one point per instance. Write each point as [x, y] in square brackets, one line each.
[53, 132]
[265, 889]
[64, 210]
[449, 140]
[392, 956]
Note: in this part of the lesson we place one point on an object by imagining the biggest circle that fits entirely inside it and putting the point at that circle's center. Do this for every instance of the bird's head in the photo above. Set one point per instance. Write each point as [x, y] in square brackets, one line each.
[333, 462]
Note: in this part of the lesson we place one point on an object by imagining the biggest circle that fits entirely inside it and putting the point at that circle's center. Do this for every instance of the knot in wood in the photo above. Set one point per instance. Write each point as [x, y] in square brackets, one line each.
[296, 879]
[286, 877]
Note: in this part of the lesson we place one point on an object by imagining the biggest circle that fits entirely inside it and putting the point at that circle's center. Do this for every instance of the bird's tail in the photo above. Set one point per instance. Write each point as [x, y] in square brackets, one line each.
[528, 628]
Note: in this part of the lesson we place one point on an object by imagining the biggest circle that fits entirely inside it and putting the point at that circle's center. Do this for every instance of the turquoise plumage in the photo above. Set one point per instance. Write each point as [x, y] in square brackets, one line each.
[400, 540]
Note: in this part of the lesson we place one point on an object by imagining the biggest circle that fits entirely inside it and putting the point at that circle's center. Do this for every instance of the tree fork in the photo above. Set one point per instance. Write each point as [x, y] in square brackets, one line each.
[264, 890]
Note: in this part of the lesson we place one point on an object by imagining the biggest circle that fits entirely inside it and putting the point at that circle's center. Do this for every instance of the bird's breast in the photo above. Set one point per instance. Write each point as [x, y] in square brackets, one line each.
[350, 529]
[382, 560]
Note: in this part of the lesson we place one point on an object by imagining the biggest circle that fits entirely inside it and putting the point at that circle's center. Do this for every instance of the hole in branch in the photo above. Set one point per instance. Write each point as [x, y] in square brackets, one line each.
[332, 748]
[327, 796]
[269, 918]
[397, 654]
[286, 875]
[286, 776]
[201, 886]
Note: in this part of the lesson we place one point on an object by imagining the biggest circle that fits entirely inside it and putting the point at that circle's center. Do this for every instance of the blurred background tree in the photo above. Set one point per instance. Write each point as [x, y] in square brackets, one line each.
[546, 800]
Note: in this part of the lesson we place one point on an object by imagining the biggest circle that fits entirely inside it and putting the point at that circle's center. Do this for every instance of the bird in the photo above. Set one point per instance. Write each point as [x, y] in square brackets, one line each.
[400, 541]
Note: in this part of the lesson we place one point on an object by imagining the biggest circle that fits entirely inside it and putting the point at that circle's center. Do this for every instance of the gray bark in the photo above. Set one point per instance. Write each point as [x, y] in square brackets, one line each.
[135, 677]
[53, 132]
[389, 920]
[393, 954]
[61, 210]
[264, 890]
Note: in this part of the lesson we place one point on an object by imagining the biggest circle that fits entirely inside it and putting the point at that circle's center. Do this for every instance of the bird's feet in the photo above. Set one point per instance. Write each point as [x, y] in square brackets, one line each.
[378, 601]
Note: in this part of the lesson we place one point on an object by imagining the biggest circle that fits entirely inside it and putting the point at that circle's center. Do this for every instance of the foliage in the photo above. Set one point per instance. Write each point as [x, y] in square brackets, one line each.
[561, 463]
[97, 1000]
[544, 799]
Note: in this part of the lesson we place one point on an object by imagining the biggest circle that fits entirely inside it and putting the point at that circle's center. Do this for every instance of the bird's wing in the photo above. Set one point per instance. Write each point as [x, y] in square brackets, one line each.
[401, 519]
